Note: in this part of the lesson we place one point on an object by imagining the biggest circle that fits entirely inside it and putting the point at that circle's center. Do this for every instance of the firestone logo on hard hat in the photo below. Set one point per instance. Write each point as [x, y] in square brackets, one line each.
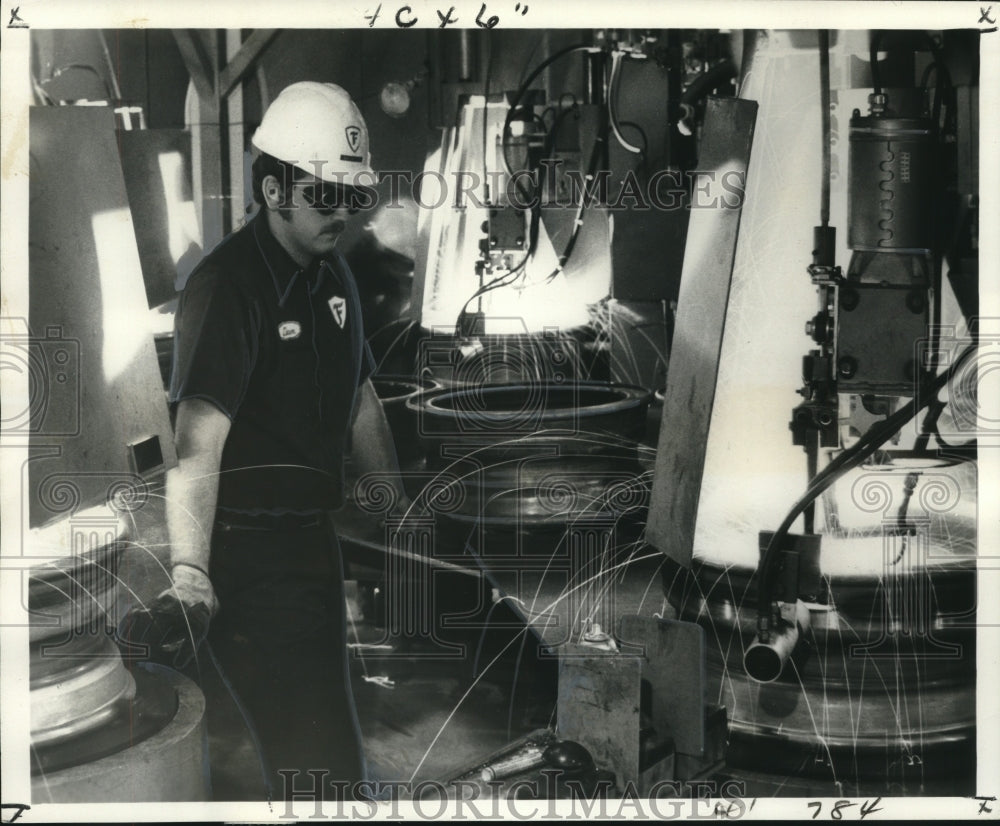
[353, 137]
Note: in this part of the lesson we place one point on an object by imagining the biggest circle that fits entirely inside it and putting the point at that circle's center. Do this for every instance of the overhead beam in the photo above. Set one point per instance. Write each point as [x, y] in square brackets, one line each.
[242, 62]
[217, 128]
[197, 62]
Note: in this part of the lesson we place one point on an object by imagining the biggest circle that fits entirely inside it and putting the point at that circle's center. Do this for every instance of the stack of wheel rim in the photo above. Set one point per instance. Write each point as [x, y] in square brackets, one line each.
[104, 729]
[78, 680]
[533, 456]
[394, 392]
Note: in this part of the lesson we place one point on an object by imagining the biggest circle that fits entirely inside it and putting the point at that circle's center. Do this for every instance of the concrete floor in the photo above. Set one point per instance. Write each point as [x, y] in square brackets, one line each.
[422, 717]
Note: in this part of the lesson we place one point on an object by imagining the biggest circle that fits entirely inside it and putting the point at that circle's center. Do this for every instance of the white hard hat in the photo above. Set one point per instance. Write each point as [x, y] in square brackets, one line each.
[319, 129]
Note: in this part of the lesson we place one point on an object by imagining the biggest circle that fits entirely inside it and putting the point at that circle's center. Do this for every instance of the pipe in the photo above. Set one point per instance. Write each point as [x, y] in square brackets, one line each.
[468, 57]
[824, 106]
[594, 77]
[764, 661]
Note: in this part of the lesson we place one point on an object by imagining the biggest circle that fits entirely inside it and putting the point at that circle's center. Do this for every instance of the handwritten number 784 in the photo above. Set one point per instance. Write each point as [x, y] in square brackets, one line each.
[836, 813]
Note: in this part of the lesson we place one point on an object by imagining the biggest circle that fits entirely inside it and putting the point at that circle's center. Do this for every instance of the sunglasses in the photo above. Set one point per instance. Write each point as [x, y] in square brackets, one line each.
[327, 198]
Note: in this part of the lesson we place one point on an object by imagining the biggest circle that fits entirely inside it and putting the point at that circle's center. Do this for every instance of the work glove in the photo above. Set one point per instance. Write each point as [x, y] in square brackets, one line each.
[175, 624]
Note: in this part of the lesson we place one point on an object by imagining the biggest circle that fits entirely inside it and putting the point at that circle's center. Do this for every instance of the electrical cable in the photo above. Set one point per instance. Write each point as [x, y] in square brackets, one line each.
[506, 278]
[642, 134]
[111, 66]
[942, 80]
[509, 277]
[616, 59]
[548, 110]
[933, 67]
[515, 102]
[600, 141]
[909, 486]
[812, 465]
[928, 425]
[547, 149]
[542, 38]
[85, 67]
[876, 436]
[43, 97]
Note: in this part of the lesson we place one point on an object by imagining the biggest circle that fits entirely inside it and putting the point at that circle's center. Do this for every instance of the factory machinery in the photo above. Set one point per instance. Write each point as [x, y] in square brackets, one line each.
[835, 659]
[728, 584]
[845, 651]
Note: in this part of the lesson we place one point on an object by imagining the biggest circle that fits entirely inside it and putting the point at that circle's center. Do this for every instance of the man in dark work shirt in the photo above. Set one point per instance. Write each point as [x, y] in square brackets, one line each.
[271, 375]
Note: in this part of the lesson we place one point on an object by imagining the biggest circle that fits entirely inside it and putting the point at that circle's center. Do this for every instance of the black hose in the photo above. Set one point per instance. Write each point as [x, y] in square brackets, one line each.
[524, 87]
[928, 426]
[501, 280]
[876, 436]
[600, 143]
[547, 149]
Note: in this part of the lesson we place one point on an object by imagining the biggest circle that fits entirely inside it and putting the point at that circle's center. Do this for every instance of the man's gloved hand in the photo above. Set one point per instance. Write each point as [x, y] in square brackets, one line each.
[193, 587]
[175, 624]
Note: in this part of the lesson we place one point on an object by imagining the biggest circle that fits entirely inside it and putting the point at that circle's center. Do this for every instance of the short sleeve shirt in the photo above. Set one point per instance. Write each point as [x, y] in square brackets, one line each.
[281, 351]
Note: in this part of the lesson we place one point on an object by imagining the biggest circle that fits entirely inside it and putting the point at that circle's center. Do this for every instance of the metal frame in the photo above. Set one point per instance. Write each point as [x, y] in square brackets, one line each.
[709, 258]
[218, 162]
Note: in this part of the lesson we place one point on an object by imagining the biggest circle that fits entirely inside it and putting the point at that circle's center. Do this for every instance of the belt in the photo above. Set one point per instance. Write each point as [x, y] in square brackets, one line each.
[270, 522]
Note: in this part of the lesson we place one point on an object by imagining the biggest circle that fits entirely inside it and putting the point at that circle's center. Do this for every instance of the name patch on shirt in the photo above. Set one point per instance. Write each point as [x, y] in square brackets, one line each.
[288, 330]
[338, 306]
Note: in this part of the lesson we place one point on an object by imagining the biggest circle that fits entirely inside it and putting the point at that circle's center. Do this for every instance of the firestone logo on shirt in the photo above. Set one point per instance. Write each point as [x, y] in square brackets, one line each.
[338, 306]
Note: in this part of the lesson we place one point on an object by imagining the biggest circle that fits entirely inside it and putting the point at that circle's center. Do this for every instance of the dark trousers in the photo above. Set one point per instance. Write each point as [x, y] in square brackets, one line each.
[281, 639]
